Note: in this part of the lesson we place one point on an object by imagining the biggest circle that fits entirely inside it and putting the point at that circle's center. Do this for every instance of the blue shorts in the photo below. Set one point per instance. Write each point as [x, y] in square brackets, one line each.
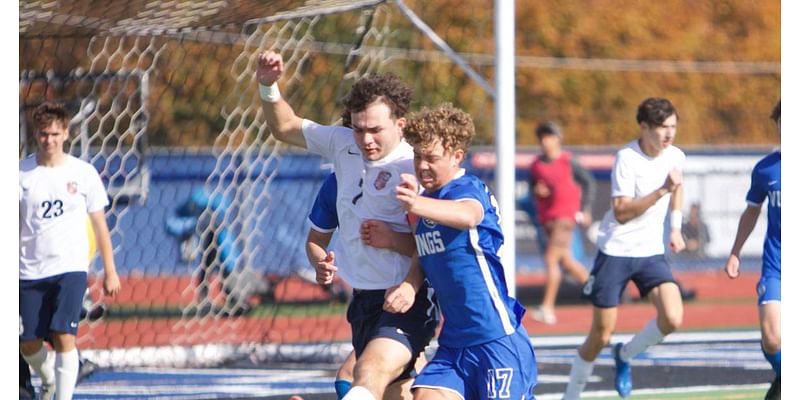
[414, 329]
[50, 304]
[610, 276]
[501, 369]
[769, 290]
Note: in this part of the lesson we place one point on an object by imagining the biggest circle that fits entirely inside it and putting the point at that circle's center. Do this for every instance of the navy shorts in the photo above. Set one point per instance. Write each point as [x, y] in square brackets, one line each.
[501, 369]
[414, 328]
[610, 276]
[50, 304]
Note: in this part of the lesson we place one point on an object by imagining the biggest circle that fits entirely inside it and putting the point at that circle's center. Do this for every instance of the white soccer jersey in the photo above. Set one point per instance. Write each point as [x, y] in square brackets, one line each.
[636, 174]
[365, 191]
[54, 203]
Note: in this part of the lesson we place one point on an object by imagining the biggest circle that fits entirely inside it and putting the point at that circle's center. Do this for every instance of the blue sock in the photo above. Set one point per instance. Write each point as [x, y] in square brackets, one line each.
[774, 360]
[342, 387]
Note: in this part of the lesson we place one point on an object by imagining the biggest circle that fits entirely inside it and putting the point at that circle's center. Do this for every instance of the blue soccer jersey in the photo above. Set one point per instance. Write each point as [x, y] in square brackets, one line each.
[464, 268]
[766, 184]
[323, 215]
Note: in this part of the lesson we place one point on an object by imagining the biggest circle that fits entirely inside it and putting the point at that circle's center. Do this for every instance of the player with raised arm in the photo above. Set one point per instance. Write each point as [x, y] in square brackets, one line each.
[765, 184]
[484, 351]
[392, 319]
[56, 193]
[645, 189]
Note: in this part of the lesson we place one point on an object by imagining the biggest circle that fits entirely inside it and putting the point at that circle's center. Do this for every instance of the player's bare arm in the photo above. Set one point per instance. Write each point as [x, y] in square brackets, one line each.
[322, 260]
[628, 208]
[400, 298]
[111, 284]
[456, 214]
[379, 234]
[281, 119]
[746, 224]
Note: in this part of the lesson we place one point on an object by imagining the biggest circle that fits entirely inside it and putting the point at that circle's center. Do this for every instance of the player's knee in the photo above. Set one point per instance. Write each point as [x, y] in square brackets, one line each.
[670, 322]
[30, 347]
[373, 372]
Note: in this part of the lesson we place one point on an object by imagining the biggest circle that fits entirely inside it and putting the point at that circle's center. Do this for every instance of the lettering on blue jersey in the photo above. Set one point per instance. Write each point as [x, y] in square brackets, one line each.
[774, 198]
[429, 243]
[498, 384]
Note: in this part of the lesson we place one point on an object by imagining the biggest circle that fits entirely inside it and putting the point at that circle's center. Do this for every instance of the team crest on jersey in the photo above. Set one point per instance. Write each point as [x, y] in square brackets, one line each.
[429, 222]
[72, 187]
[382, 179]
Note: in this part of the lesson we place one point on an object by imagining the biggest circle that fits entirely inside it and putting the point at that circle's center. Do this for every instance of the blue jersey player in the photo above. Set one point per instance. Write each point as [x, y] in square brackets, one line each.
[484, 351]
[765, 184]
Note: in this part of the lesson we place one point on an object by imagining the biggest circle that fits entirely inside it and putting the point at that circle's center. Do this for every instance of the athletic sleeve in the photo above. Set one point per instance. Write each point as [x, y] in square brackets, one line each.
[323, 216]
[324, 139]
[623, 178]
[96, 196]
[470, 191]
[586, 181]
[757, 192]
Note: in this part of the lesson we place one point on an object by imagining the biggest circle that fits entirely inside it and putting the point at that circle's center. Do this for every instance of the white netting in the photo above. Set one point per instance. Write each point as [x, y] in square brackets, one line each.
[209, 231]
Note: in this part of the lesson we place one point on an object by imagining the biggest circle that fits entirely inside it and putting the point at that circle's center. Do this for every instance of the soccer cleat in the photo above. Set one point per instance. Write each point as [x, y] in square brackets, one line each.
[546, 317]
[774, 392]
[622, 381]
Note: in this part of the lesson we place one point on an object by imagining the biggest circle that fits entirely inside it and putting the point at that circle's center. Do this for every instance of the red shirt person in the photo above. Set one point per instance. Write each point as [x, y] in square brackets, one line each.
[563, 192]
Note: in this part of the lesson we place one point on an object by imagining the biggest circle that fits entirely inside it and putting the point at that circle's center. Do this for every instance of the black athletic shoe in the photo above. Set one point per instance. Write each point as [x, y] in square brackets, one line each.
[774, 392]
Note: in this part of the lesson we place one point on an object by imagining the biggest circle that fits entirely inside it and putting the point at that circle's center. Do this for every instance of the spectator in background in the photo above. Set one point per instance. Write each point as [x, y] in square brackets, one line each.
[695, 233]
[204, 213]
[563, 192]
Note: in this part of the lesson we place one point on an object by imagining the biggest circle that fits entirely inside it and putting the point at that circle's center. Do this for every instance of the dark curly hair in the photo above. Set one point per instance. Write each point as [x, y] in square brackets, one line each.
[387, 88]
[654, 111]
[49, 111]
[776, 112]
[448, 124]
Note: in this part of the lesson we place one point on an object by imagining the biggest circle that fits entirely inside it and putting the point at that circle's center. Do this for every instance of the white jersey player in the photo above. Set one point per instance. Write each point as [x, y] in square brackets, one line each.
[56, 193]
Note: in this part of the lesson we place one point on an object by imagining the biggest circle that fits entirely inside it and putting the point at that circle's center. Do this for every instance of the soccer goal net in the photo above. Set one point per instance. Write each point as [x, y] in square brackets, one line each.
[208, 212]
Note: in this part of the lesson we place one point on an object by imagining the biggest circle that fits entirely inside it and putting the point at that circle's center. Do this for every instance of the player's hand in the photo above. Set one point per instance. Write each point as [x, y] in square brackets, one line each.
[376, 234]
[407, 191]
[111, 285]
[676, 243]
[541, 190]
[269, 67]
[732, 267]
[400, 298]
[326, 269]
[674, 179]
[583, 218]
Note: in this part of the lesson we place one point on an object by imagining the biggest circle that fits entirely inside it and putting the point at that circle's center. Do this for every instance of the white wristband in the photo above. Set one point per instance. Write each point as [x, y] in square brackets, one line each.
[270, 93]
[676, 219]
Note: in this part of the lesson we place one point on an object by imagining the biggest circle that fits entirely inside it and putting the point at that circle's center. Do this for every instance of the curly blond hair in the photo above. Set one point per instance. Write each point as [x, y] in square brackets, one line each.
[451, 126]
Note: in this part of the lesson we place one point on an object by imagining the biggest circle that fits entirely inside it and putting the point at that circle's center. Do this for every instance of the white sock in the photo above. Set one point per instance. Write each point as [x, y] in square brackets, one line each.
[67, 366]
[578, 376]
[649, 336]
[358, 393]
[43, 363]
